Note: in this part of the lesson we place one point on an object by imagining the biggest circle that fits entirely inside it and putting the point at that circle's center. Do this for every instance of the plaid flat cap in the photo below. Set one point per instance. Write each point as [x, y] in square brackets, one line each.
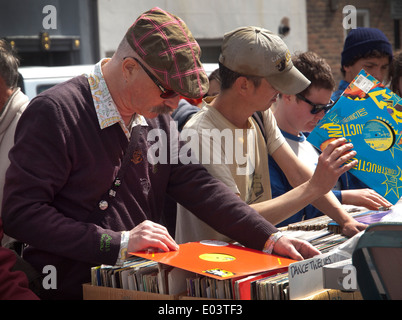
[167, 46]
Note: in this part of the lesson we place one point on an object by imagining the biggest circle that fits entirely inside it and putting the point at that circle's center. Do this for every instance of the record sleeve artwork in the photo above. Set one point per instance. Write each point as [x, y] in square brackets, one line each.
[368, 115]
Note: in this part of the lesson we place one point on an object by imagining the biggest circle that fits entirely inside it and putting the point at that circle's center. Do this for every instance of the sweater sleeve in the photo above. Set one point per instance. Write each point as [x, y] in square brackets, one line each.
[218, 206]
[41, 167]
[213, 202]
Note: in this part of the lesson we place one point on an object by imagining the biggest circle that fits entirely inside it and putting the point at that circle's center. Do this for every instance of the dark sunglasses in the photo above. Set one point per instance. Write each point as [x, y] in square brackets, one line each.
[317, 108]
[166, 93]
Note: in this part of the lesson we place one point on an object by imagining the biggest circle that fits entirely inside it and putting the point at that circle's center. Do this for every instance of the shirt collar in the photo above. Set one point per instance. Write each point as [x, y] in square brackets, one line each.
[300, 138]
[105, 107]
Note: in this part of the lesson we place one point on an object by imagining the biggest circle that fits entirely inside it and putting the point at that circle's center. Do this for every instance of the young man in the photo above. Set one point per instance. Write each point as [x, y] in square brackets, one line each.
[255, 66]
[364, 48]
[91, 189]
[299, 114]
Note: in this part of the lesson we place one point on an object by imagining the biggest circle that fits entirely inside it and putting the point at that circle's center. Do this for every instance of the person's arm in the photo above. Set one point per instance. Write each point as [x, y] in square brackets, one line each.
[40, 167]
[286, 205]
[315, 187]
[355, 192]
[218, 204]
[294, 248]
[305, 191]
[367, 198]
[219, 207]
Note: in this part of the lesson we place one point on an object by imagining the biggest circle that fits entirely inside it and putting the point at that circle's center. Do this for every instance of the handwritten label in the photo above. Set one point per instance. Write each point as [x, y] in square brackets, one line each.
[306, 277]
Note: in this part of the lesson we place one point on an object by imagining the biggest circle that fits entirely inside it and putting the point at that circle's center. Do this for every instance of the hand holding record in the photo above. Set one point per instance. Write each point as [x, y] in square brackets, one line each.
[335, 159]
[149, 235]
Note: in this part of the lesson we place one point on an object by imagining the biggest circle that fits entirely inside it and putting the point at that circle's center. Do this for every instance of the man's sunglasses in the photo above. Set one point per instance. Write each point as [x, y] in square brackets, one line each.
[317, 108]
[166, 93]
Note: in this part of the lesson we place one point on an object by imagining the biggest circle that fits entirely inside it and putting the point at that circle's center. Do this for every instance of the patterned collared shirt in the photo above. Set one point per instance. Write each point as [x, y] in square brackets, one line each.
[107, 113]
[106, 109]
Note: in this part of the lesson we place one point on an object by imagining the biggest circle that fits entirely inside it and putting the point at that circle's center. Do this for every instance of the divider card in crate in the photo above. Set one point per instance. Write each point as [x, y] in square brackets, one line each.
[369, 115]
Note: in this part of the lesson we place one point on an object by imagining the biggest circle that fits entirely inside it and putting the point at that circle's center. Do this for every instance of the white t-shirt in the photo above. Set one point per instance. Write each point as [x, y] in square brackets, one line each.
[305, 151]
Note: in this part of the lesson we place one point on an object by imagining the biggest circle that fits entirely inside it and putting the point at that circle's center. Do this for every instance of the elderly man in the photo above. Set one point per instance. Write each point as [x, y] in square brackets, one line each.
[90, 191]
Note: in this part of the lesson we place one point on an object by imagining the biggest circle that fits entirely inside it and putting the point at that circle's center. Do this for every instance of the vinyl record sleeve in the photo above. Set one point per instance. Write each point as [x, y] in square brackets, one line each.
[369, 115]
[217, 259]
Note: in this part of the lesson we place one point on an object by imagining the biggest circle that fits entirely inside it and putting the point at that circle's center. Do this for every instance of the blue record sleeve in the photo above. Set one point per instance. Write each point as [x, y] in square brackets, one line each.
[369, 115]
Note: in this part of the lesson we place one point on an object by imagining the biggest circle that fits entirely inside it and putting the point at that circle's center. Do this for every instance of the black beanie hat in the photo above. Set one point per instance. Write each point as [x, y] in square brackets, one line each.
[364, 40]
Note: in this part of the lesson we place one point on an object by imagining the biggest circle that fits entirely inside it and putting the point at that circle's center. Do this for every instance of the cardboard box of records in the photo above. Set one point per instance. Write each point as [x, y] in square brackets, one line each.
[207, 270]
[212, 270]
[199, 270]
[137, 279]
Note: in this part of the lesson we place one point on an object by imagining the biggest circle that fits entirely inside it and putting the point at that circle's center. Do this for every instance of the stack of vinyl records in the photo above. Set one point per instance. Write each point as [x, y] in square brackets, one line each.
[214, 270]
[264, 285]
[135, 274]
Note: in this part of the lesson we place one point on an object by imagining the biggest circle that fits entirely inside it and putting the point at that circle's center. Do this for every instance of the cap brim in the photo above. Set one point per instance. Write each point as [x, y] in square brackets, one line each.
[289, 82]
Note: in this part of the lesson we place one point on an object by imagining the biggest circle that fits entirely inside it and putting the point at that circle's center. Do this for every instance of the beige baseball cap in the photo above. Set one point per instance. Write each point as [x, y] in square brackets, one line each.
[255, 51]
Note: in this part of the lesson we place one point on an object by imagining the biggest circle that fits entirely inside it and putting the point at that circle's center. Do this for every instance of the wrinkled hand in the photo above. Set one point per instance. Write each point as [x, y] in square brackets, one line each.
[367, 198]
[294, 248]
[151, 236]
[332, 163]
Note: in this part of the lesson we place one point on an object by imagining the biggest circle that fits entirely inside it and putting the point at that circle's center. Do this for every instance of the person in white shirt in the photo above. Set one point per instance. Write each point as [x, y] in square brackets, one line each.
[296, 116]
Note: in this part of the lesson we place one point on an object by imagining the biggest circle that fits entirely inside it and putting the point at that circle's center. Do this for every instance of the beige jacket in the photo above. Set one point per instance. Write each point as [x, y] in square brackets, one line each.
[9, 117]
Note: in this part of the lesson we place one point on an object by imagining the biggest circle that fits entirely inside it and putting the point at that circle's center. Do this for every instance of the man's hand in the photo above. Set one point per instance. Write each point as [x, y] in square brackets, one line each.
[335, 160]
[150, 235]
[294, 248]
[364, 198]
[352, 228]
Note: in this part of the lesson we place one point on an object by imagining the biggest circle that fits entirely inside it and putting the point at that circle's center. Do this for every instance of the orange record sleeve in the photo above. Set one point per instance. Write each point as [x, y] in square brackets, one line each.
[218, 259]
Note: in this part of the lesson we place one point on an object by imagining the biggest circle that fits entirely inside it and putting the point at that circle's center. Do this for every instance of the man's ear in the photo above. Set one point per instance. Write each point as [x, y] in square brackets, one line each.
[128, 67]
[348, 72]
[346, 68]
[242, 85]
[288, 98]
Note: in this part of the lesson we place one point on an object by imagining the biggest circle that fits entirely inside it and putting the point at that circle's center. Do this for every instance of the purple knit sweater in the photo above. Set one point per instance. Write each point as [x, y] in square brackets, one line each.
[63, 164]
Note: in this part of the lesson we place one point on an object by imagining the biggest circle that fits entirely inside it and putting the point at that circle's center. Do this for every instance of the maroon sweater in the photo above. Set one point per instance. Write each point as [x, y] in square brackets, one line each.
[63, 164]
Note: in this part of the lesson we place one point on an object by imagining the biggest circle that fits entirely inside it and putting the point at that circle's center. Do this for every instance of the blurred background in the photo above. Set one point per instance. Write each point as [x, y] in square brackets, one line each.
[61, 32]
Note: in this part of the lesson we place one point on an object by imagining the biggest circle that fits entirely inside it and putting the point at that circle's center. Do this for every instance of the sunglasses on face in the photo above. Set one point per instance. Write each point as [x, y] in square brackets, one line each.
[166, 93]
[317, 108]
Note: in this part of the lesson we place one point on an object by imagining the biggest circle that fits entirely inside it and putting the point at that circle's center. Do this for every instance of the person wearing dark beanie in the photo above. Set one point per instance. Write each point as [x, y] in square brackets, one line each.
[364, 48]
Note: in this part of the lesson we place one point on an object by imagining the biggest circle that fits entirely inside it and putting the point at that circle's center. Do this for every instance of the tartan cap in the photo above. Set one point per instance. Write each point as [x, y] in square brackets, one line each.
[165, 44]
